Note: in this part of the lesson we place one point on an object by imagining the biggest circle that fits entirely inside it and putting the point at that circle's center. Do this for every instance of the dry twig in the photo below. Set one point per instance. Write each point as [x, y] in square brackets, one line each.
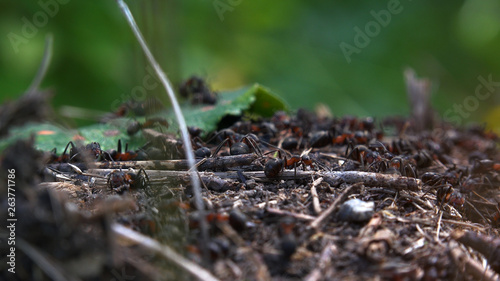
[314, 194]
[342, 197]
[163, 250]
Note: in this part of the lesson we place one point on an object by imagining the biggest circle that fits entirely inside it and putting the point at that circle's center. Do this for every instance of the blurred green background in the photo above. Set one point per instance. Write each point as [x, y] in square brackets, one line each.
[292, 47]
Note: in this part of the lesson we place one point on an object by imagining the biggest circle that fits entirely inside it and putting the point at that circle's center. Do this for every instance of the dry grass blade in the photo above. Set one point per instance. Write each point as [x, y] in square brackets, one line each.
[51, 269]
[178, 113]
[163, 250]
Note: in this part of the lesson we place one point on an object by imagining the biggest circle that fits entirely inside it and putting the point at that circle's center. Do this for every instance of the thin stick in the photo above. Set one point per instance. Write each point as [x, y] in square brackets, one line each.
[51, 269]
[402, 195]
[323, 263]
[439, 226]
[334, 178]
[289, 214]
[163, 250]
[373, 179]
[471, 266]
[315, 198]
[213, 163]
[336, 203]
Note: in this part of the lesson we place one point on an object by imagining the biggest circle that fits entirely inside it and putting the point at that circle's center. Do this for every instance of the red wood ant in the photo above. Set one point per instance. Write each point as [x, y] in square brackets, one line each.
[117, 155]
[149, 123]
[290, 143]
[362, 154]
[91, 151]
[484, 166]
[121, 181]
[447, 194]
[451, 176]
[245, 145]
[321, 139]
[197, 90]
[275, 166]
[406, 166]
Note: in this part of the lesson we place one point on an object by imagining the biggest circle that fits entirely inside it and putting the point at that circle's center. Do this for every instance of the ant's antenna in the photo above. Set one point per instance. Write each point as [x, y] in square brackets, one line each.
[178, 113]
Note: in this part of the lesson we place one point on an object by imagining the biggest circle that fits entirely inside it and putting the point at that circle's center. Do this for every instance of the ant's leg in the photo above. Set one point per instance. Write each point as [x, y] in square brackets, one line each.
[219, 147]
[66, 148]
[254, 146]
[413, 171]
[362, 161]
[349, 145]
[197, 141]
[145, 174]
[110, 157]
[444, 197]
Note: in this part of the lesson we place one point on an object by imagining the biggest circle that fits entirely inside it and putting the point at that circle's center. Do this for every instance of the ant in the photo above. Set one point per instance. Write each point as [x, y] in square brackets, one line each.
[53, 158]
[289, 143]
[121, 181]
[451, 176]
[423, 158]
[362, 154]
[90, 151]
[275, 166]
[202, 152]
[446, 194]
[194, 131]
[405, 166]
[484, 166]
[198, 91]
[401, 146]
[244, 145]
[149, 123]
[117, 155]
[321, 139]
[324, 138]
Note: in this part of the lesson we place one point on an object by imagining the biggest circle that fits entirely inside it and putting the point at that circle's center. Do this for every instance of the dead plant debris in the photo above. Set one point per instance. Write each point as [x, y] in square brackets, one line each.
[272, 191]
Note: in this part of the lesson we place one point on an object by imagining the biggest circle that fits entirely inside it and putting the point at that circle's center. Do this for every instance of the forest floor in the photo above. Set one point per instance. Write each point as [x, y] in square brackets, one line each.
[276, 212]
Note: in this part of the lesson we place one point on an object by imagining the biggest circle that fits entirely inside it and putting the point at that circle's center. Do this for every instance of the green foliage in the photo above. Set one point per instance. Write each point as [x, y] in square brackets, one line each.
[254, 100]
[49, 136]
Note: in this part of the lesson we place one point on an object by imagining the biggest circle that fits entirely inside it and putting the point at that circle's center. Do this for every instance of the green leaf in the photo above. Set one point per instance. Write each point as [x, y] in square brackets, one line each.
[49, 136]
[107, 135]
[255, 100]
